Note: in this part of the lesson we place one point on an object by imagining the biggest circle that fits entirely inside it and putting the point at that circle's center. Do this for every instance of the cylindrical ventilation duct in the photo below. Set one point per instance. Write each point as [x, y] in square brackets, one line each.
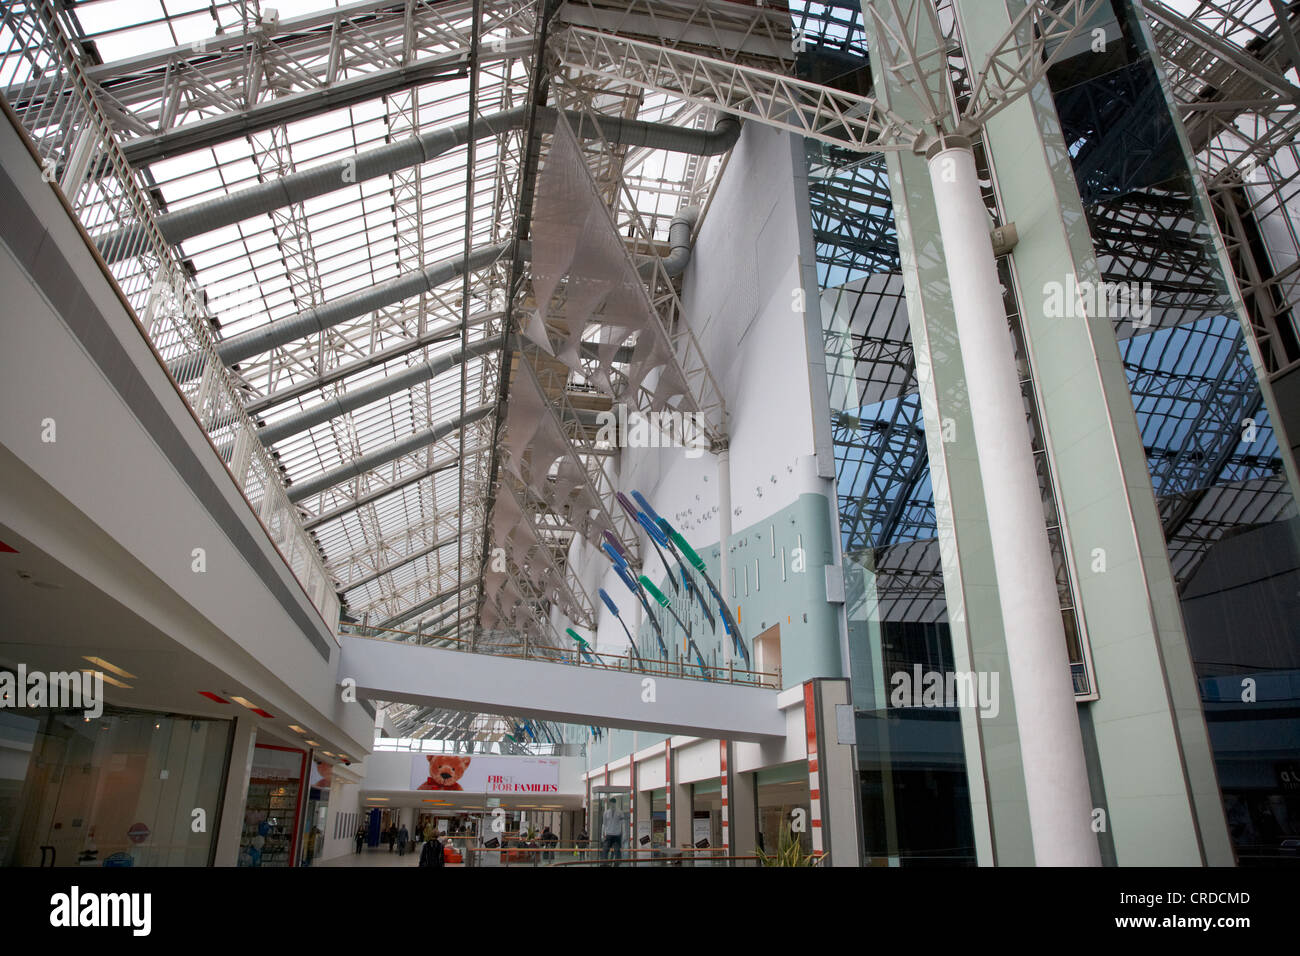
[257, 341]
[382, 160]
[381, 456]
[337, 405]
[679, 243]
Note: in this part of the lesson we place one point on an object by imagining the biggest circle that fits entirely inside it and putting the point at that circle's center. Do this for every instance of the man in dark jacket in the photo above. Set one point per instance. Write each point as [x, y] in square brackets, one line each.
[432, 854]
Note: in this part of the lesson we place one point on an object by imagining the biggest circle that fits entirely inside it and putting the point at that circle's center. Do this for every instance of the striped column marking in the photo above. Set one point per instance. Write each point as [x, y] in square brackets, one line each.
[668, 792]
[814, 783]
[722, 763]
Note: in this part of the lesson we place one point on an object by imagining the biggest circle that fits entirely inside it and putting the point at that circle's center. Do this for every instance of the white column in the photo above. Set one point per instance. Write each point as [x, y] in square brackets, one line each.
[724, 532]
[1056, 776]
[230, 828]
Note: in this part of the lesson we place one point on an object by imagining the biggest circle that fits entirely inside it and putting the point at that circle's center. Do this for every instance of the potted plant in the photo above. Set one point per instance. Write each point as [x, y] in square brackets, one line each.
[789, 851]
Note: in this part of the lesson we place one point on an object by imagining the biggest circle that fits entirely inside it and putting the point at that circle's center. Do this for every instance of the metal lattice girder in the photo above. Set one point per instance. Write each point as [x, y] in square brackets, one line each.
[852, 219]
[380, 490]
[1193, 388]
[759, 34]
[1229, 66]
[809, 109]
[1226, 63]
[517, 532]
[394, 551]
[1270, 295]
[669, 333]
[1041, 34]
[526, 614]
[908, 584]
[914, 44]
[435, 599]
[592, 494]
[881, 463]
[382, 503]
[363, 463]
[242, 74]
[1221, 510]
[1155, 238]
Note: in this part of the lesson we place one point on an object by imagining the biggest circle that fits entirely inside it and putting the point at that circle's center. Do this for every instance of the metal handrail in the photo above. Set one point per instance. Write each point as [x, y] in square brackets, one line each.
[650, 666]
[74, 144]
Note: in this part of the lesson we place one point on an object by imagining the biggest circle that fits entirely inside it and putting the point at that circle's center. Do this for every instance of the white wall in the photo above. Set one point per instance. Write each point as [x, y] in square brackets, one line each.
[345, 798]
[739, 299]
[110, 467]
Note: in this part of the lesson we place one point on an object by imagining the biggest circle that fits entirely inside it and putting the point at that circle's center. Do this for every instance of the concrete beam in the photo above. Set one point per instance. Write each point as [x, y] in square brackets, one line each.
[434, 677]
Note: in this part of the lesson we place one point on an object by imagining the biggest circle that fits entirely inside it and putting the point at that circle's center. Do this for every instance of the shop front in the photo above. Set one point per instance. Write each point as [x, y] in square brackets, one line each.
[126, 788]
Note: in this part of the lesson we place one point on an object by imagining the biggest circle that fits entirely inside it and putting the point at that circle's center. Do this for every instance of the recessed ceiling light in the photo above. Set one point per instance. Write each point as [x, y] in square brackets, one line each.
[105, 665]
[245, 702]
[108, 679]
[296, 729]
[313, 743]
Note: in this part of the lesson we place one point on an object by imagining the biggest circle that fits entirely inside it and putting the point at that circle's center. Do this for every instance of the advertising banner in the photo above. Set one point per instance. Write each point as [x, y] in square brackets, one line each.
[485, 773]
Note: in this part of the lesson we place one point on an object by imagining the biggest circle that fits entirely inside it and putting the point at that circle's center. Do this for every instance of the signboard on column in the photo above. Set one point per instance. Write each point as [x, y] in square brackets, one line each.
[701, 834]
[643, 838]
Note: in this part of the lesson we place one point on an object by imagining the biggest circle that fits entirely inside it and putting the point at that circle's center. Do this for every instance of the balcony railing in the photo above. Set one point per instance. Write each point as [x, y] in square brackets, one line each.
[601, 660]
[42, 82]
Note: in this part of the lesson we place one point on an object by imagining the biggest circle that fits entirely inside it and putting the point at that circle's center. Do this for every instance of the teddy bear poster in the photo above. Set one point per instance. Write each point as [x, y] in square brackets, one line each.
[484, 773]
[445, 771]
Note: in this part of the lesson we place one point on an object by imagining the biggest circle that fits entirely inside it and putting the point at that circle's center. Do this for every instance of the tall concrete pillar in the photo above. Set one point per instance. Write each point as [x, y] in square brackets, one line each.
[642, 820]
[739, 808]
[235, 793]
[1056, 777]
[833, 787]
[724, 536]
[680, 804]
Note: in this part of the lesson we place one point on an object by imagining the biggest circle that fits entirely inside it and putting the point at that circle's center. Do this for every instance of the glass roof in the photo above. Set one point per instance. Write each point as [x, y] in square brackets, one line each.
[263, 91]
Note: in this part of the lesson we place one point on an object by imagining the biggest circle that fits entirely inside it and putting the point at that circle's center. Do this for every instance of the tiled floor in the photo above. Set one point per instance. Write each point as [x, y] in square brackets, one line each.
[375, 856]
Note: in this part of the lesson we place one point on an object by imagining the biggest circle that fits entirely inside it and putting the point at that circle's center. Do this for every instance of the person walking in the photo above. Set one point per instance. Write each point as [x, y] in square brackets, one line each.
[549, 840]
[433, 854]
[361, 838]
[612, 829]
[313, 837]
[403, 838]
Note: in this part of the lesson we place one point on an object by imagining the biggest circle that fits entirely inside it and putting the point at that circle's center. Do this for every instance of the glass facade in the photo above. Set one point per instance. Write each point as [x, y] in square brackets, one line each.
[123, 789]
[1226, 506]
[914, 794]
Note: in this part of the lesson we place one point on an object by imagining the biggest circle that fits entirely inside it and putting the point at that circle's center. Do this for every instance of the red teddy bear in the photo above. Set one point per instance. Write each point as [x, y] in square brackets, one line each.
[444, 772]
